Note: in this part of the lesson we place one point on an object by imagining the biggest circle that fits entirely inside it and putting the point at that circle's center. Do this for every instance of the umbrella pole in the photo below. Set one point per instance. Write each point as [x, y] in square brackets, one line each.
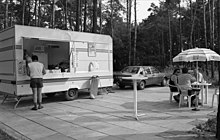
[197, 74]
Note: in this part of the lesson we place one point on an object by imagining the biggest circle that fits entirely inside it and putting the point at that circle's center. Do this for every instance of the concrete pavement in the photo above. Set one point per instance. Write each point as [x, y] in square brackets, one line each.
[108, 117]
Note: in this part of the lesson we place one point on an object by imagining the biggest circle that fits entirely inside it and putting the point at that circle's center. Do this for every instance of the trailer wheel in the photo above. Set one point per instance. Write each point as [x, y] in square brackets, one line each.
[71, 94]
[50, 95]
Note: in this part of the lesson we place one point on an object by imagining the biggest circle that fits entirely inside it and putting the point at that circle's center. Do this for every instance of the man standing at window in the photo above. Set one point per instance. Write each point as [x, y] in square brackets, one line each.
[36, 71]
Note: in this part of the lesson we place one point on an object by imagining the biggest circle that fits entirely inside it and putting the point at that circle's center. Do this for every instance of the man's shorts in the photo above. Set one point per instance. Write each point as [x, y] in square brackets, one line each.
[36, 83]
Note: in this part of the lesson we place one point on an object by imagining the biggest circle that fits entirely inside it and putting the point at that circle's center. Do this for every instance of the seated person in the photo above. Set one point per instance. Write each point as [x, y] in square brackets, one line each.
[199, 77]
[184, 81]
[174, 80]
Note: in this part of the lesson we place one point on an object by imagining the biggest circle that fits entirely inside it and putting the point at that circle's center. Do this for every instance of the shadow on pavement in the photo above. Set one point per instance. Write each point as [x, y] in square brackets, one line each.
[27, 101]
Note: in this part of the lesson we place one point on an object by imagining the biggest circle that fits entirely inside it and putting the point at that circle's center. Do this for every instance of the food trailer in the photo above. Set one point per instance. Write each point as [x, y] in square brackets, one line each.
[71, 58]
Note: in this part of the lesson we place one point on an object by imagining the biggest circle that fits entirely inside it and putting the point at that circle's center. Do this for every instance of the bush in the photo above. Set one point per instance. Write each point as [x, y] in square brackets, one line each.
[207, 129]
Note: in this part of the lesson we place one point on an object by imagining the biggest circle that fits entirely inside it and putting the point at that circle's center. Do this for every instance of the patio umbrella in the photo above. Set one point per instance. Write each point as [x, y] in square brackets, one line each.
[197, 54]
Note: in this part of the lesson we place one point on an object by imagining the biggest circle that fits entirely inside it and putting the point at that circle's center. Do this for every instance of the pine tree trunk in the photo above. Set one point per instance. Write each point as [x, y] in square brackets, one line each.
[213, 35]
[129, 30]
[218, 31]
[94, 29]
[180, 28]
[29, 13]
[192, 27]
[35, 11]
[53, 13]
[135, 31]
[77, 15]
[204, 20]
[170, 37]
[100, 21]
[163, 52]
[6, 14]
[85, 16]
[39, 13]
[23, 11]
[65, 18]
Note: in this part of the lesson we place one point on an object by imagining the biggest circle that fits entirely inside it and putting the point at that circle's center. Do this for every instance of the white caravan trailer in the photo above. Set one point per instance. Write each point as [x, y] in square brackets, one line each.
[70, 58]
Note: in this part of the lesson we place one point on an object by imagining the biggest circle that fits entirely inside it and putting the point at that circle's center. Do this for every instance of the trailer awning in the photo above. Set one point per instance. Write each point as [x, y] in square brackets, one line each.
[49, 39]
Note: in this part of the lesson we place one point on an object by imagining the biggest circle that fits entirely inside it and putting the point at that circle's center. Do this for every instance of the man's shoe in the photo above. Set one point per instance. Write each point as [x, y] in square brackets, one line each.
[176, 98]
[34, 108]
[40, 107]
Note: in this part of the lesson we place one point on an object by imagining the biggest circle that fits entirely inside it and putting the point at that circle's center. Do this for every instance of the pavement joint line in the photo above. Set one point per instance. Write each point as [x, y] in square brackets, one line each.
[88, 103]
[12, 132]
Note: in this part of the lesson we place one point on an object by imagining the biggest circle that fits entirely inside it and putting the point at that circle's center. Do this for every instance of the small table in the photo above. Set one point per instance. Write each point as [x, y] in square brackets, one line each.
[203, 85]
[135, 79]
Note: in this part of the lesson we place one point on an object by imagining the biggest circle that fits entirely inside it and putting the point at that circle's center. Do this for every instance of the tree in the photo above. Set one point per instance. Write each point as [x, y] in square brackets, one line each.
[100, 21]
[53, 13]
[39, 13]
[23, 10]
[129, 3]
[94, 29]
[6, 14]
[180, 27]
[135, 31]
[204, 22]
[170, 34]
[78, 15]
[112, 28]
[218, 31]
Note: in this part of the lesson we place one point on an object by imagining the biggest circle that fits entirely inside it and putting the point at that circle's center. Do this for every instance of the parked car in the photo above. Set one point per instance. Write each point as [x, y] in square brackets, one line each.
[154, 76]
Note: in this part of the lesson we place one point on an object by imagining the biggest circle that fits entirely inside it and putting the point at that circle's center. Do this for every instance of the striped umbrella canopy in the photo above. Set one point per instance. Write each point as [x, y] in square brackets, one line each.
[197, 54]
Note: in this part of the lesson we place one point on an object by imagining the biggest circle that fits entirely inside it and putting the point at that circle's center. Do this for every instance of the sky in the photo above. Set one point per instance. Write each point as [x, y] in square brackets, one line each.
[142, 7]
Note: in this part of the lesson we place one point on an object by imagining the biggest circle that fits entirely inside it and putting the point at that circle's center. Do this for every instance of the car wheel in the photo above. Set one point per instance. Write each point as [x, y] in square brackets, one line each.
[71, 94]
[121, 86]
[141, 85]
[163, 82]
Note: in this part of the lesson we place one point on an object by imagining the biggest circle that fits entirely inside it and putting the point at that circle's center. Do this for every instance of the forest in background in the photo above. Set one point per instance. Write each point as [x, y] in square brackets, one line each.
[171, 27]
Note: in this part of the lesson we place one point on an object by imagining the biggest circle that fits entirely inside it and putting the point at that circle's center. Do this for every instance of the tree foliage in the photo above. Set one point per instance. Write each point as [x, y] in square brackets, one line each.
[154, 45]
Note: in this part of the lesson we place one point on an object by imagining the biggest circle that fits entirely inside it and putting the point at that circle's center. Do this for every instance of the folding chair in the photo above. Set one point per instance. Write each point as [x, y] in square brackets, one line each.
[184, 93]
[216, 93]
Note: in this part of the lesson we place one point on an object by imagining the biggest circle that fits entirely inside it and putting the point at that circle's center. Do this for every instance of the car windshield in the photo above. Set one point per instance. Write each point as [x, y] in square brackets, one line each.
[131, 70]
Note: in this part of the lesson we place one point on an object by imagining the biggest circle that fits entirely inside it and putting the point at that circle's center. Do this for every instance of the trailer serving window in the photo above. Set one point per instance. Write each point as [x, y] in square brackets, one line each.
[53, 54]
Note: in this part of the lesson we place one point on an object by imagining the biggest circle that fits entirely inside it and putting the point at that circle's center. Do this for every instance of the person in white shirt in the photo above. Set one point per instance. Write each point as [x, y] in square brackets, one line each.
[36, 71]
[199, 77]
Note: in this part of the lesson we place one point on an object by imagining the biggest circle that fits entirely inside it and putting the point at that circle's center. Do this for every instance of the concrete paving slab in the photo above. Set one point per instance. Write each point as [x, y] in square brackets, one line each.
[144, 137]
[90, 136]
[56, 136]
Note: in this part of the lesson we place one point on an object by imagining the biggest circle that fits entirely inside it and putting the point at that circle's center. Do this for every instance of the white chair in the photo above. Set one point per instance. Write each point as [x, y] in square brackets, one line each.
[216, 93]
[184, 93]
[171, 92]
